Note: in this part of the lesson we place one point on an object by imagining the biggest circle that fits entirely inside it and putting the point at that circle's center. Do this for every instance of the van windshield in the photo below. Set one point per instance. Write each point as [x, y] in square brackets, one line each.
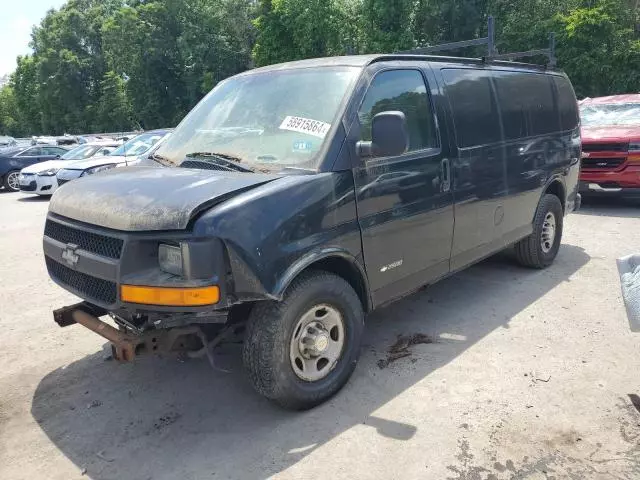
[262, 121]
[610, 114]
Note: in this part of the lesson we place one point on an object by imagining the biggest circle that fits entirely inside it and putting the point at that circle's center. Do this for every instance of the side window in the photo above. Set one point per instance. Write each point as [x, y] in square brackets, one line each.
[402, 90]
[567, 104]
[474, 110]
[31, 152]
[514, 106]
[539, 91]
[526, 104]
[53, 151]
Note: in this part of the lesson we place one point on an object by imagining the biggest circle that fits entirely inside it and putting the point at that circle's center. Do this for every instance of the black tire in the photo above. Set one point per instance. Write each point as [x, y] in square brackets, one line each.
[268, 338]
[7, 182]
[529, 251]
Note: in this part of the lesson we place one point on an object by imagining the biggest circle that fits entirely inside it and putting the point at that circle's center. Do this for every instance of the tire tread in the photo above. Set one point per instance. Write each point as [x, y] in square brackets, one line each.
[528, 251]
[263, 331]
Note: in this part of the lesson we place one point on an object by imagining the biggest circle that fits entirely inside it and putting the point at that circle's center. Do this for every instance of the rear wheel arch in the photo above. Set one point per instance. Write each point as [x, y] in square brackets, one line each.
[557, 188]
[338, 262]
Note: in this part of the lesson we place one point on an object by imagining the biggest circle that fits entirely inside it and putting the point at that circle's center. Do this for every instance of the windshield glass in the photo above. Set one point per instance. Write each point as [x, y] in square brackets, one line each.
[80, 152]
[137, 145]
[602, 115]
[267, 120]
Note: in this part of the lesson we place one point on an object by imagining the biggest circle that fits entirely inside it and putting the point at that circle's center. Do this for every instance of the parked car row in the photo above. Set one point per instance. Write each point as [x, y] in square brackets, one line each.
[41, 169]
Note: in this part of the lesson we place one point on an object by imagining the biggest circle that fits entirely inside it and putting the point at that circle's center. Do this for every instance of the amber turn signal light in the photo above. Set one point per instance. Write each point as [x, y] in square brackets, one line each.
[169, 296]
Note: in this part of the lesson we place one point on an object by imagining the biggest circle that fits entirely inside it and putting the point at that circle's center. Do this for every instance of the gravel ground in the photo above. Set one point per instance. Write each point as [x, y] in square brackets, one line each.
[530, 376]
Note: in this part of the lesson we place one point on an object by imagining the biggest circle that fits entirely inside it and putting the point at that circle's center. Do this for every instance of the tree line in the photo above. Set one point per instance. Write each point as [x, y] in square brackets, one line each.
[115, 65]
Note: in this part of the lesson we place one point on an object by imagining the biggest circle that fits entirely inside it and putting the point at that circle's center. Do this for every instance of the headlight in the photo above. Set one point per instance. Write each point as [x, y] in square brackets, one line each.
[170, 259]
[49, 173]
[97, 169]
[634, 147]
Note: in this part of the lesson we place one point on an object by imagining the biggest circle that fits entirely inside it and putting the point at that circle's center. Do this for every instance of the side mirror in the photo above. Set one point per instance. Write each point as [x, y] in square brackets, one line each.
[389, 136]
[57, 156]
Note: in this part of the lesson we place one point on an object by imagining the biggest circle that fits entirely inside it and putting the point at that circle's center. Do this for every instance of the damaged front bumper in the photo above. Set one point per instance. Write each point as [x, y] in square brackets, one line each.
[104, 266]
[127, 345]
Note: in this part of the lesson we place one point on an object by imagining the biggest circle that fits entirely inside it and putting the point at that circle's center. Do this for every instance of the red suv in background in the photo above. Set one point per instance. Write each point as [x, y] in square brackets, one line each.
[610, 145]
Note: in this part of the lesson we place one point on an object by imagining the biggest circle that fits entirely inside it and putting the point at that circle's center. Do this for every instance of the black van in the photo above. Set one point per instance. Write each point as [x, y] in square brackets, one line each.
[308, 194]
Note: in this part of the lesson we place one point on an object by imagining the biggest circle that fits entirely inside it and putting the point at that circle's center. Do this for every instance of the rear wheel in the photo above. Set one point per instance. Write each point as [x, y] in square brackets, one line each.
[11, 181]
[301, 351]
[539, 249]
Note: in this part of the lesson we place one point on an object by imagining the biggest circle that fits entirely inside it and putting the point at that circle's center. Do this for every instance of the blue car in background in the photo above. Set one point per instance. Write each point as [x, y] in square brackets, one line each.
[14, 159]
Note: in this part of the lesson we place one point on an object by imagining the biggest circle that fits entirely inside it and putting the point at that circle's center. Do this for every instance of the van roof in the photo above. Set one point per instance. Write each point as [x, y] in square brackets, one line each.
[364, 60]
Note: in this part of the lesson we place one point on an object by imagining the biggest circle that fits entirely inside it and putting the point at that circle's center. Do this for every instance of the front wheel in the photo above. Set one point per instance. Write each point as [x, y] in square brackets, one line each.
[11, 181]
[301, 351]
[539, 249]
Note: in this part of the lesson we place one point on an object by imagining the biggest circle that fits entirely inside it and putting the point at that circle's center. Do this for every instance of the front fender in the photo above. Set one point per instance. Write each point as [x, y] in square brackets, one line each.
[274, 231]
[315, 257]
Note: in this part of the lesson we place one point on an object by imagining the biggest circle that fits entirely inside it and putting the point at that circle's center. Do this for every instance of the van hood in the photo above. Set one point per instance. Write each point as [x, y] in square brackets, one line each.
[146, 198]
[615, 133]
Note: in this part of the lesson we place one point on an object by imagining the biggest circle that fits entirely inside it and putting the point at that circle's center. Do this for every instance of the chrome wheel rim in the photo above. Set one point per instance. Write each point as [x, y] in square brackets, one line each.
[548, 232]
[12, 181]
[317, 343]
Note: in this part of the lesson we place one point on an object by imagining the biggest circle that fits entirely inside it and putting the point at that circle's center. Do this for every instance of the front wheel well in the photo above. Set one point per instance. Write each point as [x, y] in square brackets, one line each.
[556, 188]
[349, 272]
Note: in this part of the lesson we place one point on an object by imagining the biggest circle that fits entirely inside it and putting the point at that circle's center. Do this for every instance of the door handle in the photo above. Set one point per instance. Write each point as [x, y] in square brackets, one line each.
[446, 174]
[574, 160]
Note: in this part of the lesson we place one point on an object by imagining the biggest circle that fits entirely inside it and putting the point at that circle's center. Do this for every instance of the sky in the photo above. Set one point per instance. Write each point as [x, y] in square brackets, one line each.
[17, 17]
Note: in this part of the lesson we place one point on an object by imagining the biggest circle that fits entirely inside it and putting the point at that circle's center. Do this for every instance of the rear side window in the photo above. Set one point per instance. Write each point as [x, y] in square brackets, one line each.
[53, 151]
[402, 90]
[474, 110]
[567, 104]
[31, 152]
[527, 104]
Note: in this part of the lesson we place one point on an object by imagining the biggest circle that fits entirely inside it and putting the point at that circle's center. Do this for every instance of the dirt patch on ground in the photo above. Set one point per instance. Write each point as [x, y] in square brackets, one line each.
[402, 348]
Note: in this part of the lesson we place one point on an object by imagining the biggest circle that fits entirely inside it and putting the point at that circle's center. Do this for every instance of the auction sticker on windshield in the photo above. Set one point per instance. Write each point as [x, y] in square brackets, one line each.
[305, 125]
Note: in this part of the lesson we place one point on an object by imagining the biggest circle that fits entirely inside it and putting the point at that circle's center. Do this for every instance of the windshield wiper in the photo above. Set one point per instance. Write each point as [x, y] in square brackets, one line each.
[160, 159]
[222, 160]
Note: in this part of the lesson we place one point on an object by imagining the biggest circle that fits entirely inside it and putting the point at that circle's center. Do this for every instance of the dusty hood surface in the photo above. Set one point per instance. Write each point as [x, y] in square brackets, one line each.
[144, 199]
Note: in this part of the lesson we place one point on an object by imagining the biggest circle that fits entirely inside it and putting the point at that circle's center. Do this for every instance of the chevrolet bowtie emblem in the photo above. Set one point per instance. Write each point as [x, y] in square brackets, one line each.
[69, 255]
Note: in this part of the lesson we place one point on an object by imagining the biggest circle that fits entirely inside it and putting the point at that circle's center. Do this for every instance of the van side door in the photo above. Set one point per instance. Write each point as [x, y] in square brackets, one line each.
[534, 144]
[479, 169]
[405, 205]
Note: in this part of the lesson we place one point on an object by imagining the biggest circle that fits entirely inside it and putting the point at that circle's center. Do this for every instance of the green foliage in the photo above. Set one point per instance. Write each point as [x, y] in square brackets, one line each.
[9, 115]
[122, 64]
[295, 29]
[599, 49]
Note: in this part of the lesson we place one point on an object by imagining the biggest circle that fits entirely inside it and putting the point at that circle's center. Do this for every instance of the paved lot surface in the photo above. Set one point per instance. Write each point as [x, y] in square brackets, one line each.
[532, 376]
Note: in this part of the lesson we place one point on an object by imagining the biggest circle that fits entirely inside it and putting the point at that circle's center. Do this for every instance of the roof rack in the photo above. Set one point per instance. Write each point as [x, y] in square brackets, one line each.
[492, 52]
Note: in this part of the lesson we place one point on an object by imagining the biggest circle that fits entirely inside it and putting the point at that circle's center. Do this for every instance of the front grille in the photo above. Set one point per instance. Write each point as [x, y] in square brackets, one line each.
[605, 147]
[600, 163]
[91, 242]
[91, 288]
[28, 188]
